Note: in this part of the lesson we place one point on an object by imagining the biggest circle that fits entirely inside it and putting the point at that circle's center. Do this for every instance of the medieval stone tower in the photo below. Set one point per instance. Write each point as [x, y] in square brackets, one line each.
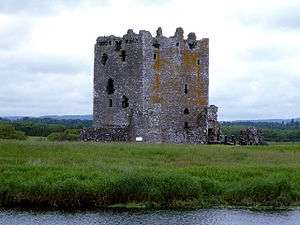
[152, 89]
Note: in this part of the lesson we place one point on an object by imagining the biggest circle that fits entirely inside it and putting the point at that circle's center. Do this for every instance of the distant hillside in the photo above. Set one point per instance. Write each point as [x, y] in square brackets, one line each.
[69, 117]
[55, 117]
[266, 120]
[90, 117]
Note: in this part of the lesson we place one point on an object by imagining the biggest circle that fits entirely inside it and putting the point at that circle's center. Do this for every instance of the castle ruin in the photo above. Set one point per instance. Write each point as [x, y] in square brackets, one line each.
[152, 89]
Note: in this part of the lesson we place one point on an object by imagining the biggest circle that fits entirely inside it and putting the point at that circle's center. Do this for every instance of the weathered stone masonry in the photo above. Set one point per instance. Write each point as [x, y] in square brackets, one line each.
[153, 89]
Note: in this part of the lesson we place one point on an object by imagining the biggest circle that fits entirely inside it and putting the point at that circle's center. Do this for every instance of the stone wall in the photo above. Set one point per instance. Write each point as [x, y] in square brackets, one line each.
[251, 136]
[157, 87]
[105, 134]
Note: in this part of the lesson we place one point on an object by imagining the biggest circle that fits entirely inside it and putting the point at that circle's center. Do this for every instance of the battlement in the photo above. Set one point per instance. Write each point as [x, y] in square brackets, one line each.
[133, 38]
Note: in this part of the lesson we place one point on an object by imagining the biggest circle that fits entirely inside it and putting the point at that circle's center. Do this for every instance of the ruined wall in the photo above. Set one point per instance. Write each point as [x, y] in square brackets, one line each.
[117, 81]
[165, 81]
[178, 73]
[213, 125]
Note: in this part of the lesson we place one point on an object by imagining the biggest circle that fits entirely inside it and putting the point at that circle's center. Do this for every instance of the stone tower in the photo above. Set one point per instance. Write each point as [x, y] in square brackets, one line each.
[152, 89]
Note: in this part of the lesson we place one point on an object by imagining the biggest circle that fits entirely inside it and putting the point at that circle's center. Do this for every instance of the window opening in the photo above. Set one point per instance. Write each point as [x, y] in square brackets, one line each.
[186, 125]
[156, 45]
[110, 102]
[154, 56]
[192, 45]
[118, 45]
[123, 55]
[186, 111]
[110, 86]
[125, 102]
[185, 89]
[104, 58]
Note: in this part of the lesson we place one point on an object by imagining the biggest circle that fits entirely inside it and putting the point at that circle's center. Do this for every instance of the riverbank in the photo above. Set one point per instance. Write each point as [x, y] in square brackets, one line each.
[91, 175]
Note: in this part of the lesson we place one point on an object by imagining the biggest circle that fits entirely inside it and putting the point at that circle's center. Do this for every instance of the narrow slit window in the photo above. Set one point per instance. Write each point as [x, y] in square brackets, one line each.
[154, 56]
[198, 62]
[104, 58]
[123, 55]
[125, 102]
[118, 45]
[186, 111]
[110, 103]
[186, 125]
[110, 89]
[185, 89]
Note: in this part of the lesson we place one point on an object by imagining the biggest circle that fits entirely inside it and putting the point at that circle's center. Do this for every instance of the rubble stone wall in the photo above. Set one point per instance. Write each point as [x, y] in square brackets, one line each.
[165, 81]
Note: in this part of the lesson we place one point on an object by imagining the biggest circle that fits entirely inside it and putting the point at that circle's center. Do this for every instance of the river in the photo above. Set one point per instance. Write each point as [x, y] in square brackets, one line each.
[199, 217]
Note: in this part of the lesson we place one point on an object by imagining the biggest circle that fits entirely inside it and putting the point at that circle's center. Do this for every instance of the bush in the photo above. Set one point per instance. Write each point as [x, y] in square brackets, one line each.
[7, 131]
[73, 131]
[67, 135]
[57, 136]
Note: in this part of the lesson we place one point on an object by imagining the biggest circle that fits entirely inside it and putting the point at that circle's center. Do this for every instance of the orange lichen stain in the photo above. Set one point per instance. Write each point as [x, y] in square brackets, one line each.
[155, 96]
[155, 90]
[158, 63]
[156, 83]
[189, 60]
[156, 99]
[190, 66]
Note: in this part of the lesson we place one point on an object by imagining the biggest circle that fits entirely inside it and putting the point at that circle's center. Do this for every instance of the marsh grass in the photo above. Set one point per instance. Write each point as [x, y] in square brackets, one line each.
[92, 175]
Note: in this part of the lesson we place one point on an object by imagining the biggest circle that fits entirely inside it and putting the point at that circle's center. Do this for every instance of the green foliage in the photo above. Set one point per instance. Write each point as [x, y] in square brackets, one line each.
[67, 135]
[277, 132]
[73, 131]
[7, 131]
[45, 126]
[82, 175]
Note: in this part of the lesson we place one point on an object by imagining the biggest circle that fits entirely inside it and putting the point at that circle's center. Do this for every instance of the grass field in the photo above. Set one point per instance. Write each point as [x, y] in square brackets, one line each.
[39, 173]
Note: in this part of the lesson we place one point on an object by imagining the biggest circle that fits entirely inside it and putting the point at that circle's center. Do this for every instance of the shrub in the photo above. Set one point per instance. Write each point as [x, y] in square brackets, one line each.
[7, 131]
[67, 135]
[73, 131]
[57, 136]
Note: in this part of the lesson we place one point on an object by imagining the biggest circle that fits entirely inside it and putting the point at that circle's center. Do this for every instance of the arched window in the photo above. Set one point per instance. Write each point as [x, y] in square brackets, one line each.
[104, 58]
[125, 102]
[110, 86]
[186, 111]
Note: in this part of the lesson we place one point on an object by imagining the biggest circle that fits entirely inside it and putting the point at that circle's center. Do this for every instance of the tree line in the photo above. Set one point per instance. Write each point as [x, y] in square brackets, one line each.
[69, 129]
[273, 131]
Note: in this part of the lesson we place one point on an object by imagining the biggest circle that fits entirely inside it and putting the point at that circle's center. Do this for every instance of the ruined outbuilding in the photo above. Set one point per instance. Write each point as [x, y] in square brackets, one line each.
[152, 89]
[251, 136]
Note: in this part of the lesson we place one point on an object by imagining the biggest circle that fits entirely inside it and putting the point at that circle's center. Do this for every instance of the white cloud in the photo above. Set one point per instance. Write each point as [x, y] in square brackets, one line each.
[251, 55]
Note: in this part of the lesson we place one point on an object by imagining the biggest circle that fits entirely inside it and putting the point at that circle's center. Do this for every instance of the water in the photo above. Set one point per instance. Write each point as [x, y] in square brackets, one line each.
[199, 217]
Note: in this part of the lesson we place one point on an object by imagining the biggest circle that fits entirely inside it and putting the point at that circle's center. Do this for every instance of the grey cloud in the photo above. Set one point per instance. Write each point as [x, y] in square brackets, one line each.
[41, 7]
[24, 64]
[258, 93]
[266, 53]
[40, 94]
[284, 18]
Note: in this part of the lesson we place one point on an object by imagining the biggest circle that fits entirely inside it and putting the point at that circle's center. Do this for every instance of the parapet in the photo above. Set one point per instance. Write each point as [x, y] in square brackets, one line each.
[132, 37]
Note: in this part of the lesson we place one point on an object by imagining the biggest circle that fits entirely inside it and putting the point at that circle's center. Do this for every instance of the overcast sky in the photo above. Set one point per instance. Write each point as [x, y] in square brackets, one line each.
[46, 51]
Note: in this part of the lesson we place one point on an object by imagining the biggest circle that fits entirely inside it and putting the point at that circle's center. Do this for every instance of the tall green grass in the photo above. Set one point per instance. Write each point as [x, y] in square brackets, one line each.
[92, 175]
